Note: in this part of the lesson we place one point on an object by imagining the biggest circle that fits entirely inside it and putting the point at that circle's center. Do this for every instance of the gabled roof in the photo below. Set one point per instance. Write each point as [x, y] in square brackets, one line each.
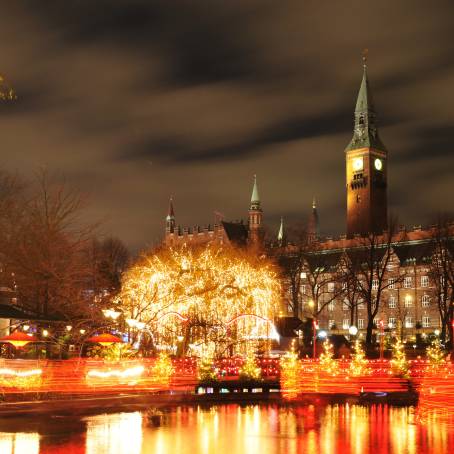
[418, 253]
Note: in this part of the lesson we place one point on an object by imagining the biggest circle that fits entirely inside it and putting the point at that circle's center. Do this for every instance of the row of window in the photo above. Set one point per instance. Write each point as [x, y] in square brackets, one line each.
[392, 323]
[407, 283]
[392, 303]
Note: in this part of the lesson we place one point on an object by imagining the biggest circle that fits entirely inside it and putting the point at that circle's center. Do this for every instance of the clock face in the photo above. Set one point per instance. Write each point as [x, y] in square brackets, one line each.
[378, 164]
[358, 164]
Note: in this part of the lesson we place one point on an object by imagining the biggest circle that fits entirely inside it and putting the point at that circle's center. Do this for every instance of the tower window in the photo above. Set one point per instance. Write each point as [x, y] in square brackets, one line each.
[358, 198]
[361, 120]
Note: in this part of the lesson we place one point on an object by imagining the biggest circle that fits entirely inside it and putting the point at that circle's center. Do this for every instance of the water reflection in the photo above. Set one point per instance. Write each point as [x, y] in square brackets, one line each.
[235, 429]
[19, 442]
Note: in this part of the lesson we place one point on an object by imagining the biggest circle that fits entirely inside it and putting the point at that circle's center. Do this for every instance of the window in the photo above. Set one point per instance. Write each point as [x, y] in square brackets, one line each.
[392, 302]
[424, 281]
[303, 275]
[331, 306]
[375, 284]
[331, 323]
[303, 289]
[425, 322]
[407, 282]
[345, 306]
[391, 322]
[360, 323]
[331, 287]
[408, 322]
[408, 300]
[391, 283]
[345, 323]
[344, 286]
[425, 301]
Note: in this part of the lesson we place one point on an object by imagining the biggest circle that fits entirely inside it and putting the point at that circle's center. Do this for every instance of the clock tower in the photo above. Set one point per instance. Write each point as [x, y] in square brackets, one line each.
[366, 170]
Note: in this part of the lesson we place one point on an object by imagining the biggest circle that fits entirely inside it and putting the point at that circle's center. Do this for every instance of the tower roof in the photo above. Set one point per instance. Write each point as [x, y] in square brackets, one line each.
[365, 133]
[364, 101]
[281, 233]
[255, 198]
[171, 213]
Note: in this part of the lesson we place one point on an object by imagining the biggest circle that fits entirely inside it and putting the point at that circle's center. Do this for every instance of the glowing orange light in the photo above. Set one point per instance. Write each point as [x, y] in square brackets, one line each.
[18, 339]
[105, 339]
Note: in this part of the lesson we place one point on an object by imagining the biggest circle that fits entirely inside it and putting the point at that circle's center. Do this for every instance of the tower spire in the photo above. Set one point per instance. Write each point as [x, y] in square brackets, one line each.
[281, 234]
[170, 219]
[313, 232]
[365, 133]
[255, 198]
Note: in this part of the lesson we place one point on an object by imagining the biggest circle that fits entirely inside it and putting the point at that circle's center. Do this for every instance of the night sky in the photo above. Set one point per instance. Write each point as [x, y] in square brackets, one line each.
[134, 101]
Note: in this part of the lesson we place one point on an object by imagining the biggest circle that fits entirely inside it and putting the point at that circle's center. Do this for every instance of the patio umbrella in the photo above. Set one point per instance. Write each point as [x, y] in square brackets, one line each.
[105, 339]
[19, 339]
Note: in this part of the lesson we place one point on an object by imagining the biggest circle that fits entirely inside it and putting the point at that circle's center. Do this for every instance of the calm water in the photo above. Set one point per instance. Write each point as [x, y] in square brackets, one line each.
[233, 429]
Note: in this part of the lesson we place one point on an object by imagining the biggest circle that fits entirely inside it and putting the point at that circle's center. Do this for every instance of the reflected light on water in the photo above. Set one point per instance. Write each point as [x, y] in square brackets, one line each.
[246, 429]
[114, 434]
[19, 442]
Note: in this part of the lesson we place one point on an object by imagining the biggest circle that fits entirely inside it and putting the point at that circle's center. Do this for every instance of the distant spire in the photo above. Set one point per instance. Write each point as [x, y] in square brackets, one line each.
[281, 237]
[255, 198]
[171, 213]
[313, 229]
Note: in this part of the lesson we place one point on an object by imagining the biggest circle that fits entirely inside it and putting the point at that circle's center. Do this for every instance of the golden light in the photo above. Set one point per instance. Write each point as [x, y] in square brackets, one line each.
[105, 339]
[195, 293]
[45, 333]
[82, 331]
[18, 339]
[69, 328]
[25, 327]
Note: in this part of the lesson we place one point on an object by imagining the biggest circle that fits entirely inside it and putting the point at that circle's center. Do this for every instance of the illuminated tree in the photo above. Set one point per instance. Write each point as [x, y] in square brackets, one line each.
[359, 364]
[399, 363]
[436, 355]
[327, 363]
[207, 371]
[163, 369]
[249, 370]
[290, 370]
[206, 296]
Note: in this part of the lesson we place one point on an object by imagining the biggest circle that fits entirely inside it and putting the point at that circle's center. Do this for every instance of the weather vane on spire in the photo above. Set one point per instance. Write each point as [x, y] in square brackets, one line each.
[365, 53]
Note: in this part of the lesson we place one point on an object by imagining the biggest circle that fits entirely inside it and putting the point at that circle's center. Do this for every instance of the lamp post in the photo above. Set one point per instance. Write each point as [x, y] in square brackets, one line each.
[381, 324]
[314, 332]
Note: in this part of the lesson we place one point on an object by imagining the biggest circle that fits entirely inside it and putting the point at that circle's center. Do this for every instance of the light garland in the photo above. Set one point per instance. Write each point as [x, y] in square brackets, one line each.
[21, 373]
[126, 373]
[209, 294]
[290, 370]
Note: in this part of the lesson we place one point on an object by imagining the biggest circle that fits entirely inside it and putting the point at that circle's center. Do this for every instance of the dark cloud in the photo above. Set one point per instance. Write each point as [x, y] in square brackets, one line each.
[135, 100]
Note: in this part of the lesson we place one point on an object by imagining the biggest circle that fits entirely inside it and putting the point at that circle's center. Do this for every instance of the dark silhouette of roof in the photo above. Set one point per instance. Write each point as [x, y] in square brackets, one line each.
[236, 232]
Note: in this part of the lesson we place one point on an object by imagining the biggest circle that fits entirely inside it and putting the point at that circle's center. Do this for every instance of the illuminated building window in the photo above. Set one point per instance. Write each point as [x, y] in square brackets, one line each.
[407, 282]
[303, 289]
[408, 301]
[425, 322]
[424, 281]
[391, 283]
[331, 323]
[408, 322]
[331, 306]
[392, 302]
[425, 301]
[360, 323]
[345, 323]
[375, 284]
[392, 322]
[303, 275]
[331, 287]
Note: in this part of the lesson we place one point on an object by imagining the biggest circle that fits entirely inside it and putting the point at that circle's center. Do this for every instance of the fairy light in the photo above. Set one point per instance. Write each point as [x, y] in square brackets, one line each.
[250, 370]
[126, 373]
[163, 369]
[436, 356]
[399, 363]
[196, 292]
[290, 369]
[359, 364]
[327, 363]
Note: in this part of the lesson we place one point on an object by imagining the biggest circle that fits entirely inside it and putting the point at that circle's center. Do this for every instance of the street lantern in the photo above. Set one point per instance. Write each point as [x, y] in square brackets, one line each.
[18, 339]
[353, 330]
